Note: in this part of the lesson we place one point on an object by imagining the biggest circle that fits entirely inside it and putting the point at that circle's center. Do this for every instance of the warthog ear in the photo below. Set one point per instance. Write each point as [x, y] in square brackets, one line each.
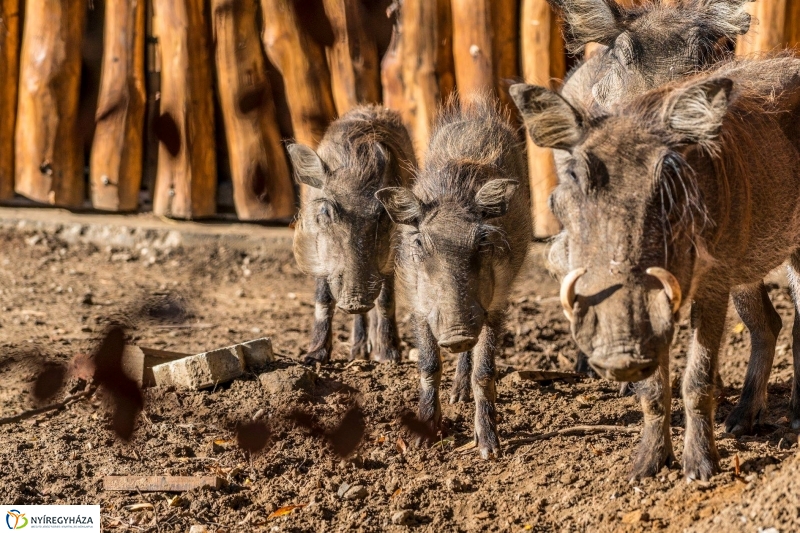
[401, 204]
[695, 114]
[494, 196]
[549, 119]
[590, 21]
[728, 18]
[308, 167]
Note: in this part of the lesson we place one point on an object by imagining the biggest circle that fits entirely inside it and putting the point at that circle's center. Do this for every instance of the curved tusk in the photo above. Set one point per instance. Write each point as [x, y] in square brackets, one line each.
[671, 286]
[568, 291]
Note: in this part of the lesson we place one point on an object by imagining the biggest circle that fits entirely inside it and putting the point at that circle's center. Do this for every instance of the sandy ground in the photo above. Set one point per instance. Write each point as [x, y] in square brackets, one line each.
[58, 299]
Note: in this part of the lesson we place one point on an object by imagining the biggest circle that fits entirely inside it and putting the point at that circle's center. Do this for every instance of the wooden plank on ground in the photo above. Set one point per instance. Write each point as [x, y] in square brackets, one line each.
[48, 154]
[161, 483]
[115, 169]
[186, 180]
[9, 73]
[262, 185]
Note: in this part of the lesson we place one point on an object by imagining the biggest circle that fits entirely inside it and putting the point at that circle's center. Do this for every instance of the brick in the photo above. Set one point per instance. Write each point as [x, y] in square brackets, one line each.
[203, 370]
[258, 352]
[133, 363]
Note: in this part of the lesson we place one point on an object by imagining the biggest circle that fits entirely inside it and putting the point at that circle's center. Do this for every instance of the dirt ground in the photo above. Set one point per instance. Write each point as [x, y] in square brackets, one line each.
[57, 300]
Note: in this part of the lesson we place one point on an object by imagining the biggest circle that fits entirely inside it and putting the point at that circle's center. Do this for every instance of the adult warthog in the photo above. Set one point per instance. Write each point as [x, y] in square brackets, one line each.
[682, 194]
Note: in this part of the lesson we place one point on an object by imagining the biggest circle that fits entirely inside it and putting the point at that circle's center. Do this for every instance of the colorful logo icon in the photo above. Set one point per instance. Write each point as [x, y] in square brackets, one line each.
[18, 519]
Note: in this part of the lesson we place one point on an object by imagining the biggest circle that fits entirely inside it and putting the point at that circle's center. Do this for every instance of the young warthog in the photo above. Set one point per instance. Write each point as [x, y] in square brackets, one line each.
[343, 235]
[680, 195]
[465, 229]
[648, 46]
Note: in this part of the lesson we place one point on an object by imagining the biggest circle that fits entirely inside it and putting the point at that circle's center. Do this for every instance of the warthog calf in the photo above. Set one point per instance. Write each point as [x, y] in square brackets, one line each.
[683, 194]
[646, 47]
[465, 229]
[343, 235]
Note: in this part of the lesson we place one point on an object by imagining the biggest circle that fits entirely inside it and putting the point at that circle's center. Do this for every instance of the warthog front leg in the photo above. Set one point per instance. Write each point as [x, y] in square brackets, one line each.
[794, 286]
[484, 388]
[383, 338]
[430, 375]
[655, 446]
[700, 455]
[764, 323]
[322, 334]
[361, 346]
[461, 381]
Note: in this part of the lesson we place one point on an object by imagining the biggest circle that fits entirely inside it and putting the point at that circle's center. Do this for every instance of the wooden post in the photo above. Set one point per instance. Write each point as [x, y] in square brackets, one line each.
[48, 154]
[9, 73]
[115, 169]
[792, 28]
[262, 186]
[768, 33]
[353, 57]
[186, 179]
[538, 33]
[505, 43]
[301, 62]
[473, 47]
[392, 65]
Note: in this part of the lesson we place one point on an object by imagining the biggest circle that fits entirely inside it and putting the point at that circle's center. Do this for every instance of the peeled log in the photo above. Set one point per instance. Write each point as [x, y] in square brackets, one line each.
[792, 28]
[186, 180]
[353, 57]
[301, 62]
[505, 34]
[473, 47]
[262, 185]
[767, 32]
[117, 151]
[9, 73]
[48, 152]
[538, 66]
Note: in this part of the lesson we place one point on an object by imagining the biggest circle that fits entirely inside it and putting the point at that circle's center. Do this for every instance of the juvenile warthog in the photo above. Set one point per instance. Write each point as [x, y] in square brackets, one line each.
[648, 46]
[465, 229]
[343, 235]
[680, 195]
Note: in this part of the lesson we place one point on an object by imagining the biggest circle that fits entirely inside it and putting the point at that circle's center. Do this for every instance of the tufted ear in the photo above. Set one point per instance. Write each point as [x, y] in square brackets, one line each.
[401, 204]
[590, 21]
[308, 167]
[726, 18]
[549, 119]
[695, 114]
[493, 198]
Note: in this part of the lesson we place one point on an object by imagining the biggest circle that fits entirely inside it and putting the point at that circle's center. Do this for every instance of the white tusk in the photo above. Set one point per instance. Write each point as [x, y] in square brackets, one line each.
[671, 285]
[568, 291]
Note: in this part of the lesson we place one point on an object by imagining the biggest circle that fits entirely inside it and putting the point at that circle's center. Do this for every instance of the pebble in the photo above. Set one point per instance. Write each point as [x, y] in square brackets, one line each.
[403, 518]
[197, 528]
[568, 478]
[356, 492]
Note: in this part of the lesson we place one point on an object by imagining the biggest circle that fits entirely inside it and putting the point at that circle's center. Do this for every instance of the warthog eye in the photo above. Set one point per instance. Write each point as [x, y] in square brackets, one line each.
[417, 248]
[324, 215]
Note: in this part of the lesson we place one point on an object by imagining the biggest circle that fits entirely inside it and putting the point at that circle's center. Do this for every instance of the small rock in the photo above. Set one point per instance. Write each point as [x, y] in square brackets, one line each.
[413, 354]
[121, 257]
[568, 478]
[403, 518]
[356, 492]
[344, 487]
[197, 528]
[88, 299]
[289, 379]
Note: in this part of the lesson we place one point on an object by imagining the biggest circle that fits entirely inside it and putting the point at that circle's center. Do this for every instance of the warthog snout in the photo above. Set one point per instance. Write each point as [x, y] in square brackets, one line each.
[622, 366]
[355, 305]
[458, 343]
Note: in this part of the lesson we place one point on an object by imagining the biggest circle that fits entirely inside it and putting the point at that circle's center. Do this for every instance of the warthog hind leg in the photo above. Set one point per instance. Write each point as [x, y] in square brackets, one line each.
[461, 381]
[383, 337]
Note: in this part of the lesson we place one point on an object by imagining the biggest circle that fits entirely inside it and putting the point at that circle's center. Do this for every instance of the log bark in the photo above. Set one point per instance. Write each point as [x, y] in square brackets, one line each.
[538, 32]
[48, 154]
[505, 43]
[769, 31]
[301, 62]
[353, 56]
[9, 73]
[473, 48]
[792, 26]
[117, 151]
[262, 185]
[392, 66]
[186, 179]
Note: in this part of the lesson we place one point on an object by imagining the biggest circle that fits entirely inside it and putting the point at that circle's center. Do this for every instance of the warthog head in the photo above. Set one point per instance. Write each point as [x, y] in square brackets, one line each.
[449, 251]
[343, 233]
[653, 44]
[632, 213]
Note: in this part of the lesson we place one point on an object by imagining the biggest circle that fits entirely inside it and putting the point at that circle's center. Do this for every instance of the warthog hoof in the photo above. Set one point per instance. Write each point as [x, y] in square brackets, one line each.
[489, 448]
[360, 350]
[461, 389]
[323, 355]
[743, 419]
[698, 465]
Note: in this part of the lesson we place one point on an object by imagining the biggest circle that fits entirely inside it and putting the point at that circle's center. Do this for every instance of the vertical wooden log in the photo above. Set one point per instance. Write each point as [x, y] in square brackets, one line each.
[9, 73]
[48, 155]
[792, 25]
[115, 169]
[392, 65]
[537, 35]
[472, 47]
[769, 32]
[353, 57]
[186, 179]
[301, 62]
[262, 186]
[505, 42]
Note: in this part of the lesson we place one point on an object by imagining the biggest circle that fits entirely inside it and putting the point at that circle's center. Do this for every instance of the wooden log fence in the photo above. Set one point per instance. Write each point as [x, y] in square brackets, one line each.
[169, 67]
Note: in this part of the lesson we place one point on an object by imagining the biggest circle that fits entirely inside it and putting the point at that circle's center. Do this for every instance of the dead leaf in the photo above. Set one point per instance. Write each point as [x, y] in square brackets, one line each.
[401, 445]
[395, 494]
[468, 446]
[175, 501]
[736, 466]
[283, 511]
[139, 507]
[445, 442]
